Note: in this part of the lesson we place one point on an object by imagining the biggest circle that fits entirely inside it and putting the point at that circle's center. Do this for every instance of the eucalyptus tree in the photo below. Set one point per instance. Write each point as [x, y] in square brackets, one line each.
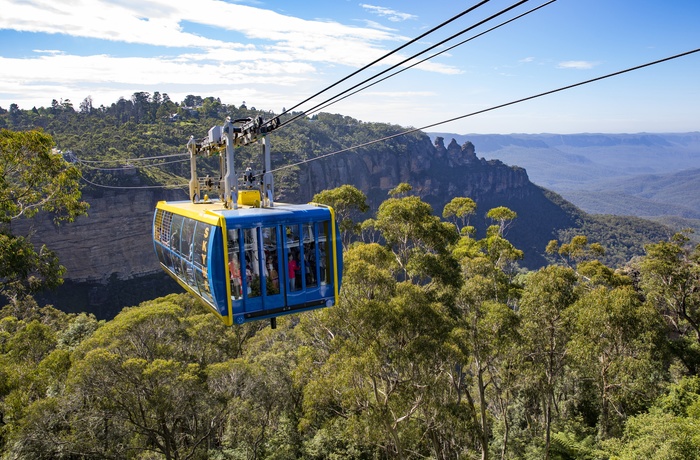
[460, 209]
[33, 178]
[546, 330]
[138, 384]
[347, 202]
[376, 359]
[668, 430]
[485, 334]
[617, 343]
[419, 240]
[670, 278]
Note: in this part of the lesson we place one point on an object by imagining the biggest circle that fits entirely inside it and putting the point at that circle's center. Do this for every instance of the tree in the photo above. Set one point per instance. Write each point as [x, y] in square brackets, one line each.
[670, 278]
[138, 384]
[419, 240]
[485, 335]
[547, 296]
[617, 344]
[503, 216]
[460, 209]
[24, 270]
[669, 430]
[347, 201]
[86, 106]
[400, 190]
[33, 179]
[576, 251]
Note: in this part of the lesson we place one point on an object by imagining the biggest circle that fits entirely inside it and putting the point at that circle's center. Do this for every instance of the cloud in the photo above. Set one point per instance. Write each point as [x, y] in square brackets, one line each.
[391, 15]
[159, 22]
[527, 59]
[401, 94]
[270, 58]
[583, 65]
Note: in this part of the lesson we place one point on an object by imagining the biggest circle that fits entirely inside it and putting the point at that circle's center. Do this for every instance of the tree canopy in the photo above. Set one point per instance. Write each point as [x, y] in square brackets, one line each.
[33, 178]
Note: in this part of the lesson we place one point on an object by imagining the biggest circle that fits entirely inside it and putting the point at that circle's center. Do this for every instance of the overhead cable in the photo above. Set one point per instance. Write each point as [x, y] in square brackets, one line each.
[463, 31]
[312, 111]
[95, 168]
[410, 42]
[124, 187]
[546, 93]
[159, 157]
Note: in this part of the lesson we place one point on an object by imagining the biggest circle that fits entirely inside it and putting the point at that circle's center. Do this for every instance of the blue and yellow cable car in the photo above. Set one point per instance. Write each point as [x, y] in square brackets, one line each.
[251, 263]
[248, 259]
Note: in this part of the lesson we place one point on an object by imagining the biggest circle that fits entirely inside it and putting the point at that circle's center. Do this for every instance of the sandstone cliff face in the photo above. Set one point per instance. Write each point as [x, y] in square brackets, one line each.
[115, 239]
[437, 173]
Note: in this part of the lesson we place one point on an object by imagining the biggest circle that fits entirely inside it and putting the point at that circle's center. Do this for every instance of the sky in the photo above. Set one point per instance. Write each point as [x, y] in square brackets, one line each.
[273, 55]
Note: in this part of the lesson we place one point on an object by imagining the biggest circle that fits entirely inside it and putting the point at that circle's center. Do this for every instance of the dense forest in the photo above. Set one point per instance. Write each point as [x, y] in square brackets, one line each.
[441, 346]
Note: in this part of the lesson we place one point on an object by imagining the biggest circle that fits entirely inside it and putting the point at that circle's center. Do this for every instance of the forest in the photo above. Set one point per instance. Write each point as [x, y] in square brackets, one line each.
[441, 346]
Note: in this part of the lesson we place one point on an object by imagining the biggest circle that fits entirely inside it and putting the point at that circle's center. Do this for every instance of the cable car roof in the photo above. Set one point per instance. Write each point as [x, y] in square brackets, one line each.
[246, 216]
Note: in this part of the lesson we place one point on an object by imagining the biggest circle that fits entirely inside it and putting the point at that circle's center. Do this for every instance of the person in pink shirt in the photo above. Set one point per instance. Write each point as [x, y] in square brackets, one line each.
[292, 267]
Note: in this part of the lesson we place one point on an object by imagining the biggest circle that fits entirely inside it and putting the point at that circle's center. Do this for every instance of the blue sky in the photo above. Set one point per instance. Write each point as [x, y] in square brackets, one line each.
[274, 54]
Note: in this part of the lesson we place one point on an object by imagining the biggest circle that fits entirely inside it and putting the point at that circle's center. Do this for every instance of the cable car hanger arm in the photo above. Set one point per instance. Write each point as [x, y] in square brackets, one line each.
[225, 138]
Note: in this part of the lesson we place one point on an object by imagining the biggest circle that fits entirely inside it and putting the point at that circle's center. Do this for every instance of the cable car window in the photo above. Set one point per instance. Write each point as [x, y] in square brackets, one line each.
[323, 253]
[252, 262]
[200, 258]
[293, 266]
[158, 226]
[161, 234]
[187, 249]
[234, 264]
[309, 255]
[176, 231]
[271, 260]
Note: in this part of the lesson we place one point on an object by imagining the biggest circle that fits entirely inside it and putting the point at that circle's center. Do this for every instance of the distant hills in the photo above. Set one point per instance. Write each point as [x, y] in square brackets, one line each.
[647, 175]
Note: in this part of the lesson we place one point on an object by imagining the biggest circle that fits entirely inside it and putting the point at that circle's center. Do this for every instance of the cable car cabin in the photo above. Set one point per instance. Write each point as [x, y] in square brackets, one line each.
[251, 263]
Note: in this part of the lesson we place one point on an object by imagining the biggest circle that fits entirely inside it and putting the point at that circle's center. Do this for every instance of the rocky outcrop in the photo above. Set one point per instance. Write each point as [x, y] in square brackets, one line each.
[437, 173]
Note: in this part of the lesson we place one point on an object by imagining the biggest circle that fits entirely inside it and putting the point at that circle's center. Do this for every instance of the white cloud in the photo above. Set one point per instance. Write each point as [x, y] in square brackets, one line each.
[271, 58]
[391, 15]
[159, 23]
[401, 94]
[577, 65]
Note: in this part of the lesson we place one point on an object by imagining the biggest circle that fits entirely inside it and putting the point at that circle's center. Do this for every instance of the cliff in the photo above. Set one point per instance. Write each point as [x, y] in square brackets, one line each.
[437, 173]
[112, 241]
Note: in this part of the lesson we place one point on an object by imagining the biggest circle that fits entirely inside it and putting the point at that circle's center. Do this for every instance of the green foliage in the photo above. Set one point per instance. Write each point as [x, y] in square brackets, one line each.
[503, 216]
[621, 237]
[617, 343]
[34, 178]
[347, 201]
[670, 275]
[412, 231]
[460, 209]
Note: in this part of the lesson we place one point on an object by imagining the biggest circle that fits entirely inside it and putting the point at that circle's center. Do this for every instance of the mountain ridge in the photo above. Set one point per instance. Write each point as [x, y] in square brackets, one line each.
[656, 171]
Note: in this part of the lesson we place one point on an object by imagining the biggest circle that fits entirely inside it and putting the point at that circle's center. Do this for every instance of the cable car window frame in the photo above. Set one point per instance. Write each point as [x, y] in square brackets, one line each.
[270, 259]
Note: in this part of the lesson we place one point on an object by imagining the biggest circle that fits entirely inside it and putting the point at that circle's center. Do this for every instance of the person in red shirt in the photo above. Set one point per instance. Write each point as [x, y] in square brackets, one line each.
[292, 267]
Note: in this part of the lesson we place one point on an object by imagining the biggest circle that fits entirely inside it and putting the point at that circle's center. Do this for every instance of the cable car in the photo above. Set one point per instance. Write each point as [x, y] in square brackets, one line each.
[250, 258]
